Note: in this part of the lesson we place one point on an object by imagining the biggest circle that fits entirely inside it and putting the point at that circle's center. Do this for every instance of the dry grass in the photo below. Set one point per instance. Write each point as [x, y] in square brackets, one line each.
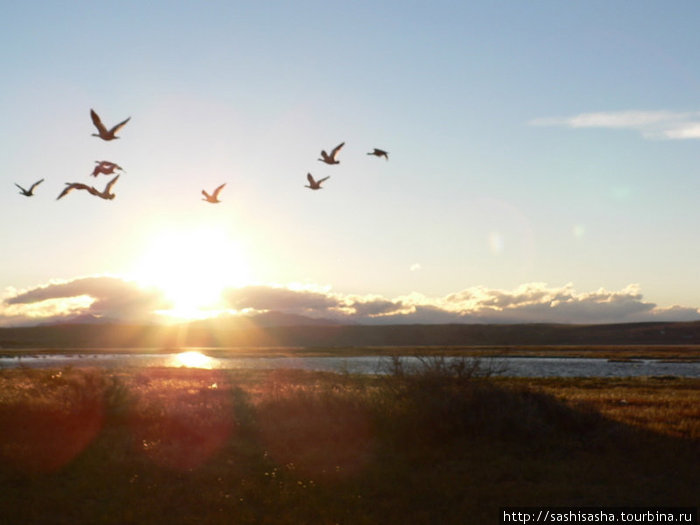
[441, 445]
[664, 405]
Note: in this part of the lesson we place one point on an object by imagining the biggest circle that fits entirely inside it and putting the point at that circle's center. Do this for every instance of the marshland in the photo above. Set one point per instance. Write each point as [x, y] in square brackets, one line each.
[447, 442]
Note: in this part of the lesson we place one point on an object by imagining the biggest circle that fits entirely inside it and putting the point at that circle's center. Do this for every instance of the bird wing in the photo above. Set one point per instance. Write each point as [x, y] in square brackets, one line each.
[31, 189]
[70, 186]
[310, 178]
[65, 191]
[217, 190]
[321, 180]
[111, 183]
[336, 150]
[21, 188]
[112, 165]
[206, 194]
[119, 126]
[97, 122]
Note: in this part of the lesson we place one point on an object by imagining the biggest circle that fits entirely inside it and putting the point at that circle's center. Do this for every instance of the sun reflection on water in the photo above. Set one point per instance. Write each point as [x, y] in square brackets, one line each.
[193, 359]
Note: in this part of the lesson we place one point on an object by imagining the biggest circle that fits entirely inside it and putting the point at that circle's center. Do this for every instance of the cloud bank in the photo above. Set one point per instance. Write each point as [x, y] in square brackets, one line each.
[650, 124]
[101, 297]
[115, 299]
[528, 303]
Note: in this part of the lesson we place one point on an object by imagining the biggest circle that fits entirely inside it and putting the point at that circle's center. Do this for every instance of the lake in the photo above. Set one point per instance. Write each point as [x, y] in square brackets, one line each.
[501, 366]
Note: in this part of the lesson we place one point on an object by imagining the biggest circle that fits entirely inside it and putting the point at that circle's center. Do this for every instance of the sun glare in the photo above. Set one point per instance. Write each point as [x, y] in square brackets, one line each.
[192, 268]
[193, 359]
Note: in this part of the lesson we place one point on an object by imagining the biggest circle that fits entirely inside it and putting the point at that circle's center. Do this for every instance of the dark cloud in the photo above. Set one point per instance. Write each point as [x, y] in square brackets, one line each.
[675, 313]
[375, 307]
[265, 298]
[424, 313]
[280, 299]
[112, 297]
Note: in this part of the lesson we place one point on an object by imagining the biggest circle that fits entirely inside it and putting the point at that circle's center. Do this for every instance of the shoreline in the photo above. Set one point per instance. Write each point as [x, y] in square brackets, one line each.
[614, 353]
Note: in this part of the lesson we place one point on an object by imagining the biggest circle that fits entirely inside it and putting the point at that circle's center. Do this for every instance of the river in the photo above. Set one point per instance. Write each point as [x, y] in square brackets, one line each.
[501, 366]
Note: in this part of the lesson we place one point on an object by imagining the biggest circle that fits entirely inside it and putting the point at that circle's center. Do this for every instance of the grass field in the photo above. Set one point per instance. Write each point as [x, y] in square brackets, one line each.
[442, 445]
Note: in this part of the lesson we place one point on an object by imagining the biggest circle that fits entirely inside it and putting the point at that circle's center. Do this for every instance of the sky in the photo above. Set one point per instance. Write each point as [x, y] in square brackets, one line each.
[543, 160]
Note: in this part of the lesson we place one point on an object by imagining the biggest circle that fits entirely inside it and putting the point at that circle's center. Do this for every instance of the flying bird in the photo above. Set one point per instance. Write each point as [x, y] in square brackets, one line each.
[106, 167]
[105, 194]
[30, 191]
[70, 186]
[379, 153]
[214, 197]
[102, 131]
[314, 184]
[330, 159]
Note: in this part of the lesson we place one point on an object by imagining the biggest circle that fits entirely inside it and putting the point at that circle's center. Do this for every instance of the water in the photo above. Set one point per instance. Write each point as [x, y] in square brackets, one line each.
[502, 366]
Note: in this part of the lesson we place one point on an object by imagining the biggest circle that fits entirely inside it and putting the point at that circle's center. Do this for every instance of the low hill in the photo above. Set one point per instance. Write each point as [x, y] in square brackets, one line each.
[248, 332]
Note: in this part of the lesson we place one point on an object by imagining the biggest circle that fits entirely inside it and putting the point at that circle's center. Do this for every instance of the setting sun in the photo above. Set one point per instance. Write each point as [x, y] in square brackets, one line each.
[192, 267]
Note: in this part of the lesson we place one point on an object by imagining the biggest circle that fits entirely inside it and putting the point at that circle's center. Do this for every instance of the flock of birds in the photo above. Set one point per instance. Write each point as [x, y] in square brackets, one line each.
[108, 168]
[103, 166]
[331, 159]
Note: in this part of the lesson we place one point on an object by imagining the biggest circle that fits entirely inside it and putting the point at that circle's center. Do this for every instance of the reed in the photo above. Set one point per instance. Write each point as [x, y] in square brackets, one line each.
[437, 444]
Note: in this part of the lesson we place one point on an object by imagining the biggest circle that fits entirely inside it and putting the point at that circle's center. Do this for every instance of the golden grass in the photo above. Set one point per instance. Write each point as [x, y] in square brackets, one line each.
[295, 447]
[665, 405]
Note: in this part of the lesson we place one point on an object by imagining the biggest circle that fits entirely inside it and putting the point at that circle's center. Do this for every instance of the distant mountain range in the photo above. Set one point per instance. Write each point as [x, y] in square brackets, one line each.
[279, 329]
[270, 318]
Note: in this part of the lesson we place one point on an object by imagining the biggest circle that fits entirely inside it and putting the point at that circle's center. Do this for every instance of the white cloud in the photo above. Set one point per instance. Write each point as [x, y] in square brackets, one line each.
[530, 302]
[691, 130]
[121, 300]
[650, 124]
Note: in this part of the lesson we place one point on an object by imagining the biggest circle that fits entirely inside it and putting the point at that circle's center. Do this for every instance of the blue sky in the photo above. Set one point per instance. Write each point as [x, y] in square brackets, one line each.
[543, 159]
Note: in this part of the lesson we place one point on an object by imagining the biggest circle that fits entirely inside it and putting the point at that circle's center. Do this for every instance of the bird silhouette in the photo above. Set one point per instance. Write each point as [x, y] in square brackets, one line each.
[105, 194]
[330, 159]
[102, 131]
[314, 184]
[379, 153]
[70, 186]
[30, 191]
[106, 167]
[214, 197]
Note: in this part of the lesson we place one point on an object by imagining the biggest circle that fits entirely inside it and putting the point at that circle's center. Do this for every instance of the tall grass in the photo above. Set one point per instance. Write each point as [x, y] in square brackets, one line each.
[441, 443]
